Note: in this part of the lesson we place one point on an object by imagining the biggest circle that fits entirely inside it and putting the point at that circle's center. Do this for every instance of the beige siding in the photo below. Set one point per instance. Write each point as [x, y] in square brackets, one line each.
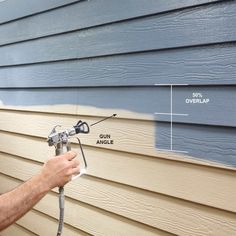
[130, 135]
[34, 221]
[124, 193]
[167, 173]
[130, 189]
[16, 230]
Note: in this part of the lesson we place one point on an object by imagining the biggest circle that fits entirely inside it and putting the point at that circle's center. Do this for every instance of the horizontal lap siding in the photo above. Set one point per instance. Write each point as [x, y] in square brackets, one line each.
[169, 30]
[134, 136]
[115, 52]
[161, 211]
[50, 225]
[75, 16]
[84, 216]
[16, 229]
[11, 10]
[205, 65]
[143, 100]
[167, 172]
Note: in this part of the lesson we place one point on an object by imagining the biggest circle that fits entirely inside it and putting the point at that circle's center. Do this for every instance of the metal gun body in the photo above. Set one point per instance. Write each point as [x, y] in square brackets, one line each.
[61, 142]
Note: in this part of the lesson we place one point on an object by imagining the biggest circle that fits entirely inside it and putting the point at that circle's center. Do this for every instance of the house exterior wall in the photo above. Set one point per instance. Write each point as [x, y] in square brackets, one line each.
[171, 167]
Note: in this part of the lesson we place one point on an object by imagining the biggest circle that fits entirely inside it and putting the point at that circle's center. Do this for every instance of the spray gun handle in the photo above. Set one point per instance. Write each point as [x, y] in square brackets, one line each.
[61, 149]
[61, 141]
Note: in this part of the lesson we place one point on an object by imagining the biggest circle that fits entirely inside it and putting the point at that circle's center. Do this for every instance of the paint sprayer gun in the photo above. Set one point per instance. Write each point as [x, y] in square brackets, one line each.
[62, 144]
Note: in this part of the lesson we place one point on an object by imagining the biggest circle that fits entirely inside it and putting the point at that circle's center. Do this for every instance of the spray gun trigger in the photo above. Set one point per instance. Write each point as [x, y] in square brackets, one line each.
[54, 129]
[82, 172]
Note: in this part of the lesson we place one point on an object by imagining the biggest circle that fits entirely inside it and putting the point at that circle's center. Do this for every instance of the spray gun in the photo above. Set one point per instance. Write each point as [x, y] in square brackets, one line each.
[61, 142]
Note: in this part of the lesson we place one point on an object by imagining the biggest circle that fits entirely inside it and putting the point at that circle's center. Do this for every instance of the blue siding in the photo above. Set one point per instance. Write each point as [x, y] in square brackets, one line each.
[156, 32]
[215, 144]
[75, 16]
[203, 65]
[14, 9]
[112, 58]
[148, 100]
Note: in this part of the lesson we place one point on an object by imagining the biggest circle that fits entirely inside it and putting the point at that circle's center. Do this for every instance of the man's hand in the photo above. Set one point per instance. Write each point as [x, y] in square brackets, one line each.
[58, 171]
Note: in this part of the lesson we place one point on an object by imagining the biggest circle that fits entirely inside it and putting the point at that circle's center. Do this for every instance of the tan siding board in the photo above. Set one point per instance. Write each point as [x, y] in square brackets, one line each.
[47, 226]
[96, 221]
[16, 230]
[130, 135]
[209, 186]
[7, 183]
[93, 220]
[79, 110]
[169, 214]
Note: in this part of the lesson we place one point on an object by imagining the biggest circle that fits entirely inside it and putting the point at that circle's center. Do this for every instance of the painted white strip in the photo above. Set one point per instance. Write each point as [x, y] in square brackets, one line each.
[171, 117]
[171, 84]
[173, 114]
[170, 150]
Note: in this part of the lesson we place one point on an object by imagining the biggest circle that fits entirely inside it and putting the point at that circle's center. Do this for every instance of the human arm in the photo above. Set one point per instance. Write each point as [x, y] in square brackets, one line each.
[56, 172]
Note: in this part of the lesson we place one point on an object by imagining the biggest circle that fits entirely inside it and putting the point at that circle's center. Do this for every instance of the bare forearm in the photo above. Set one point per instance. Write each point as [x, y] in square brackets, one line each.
[56, 172]
[16, 203]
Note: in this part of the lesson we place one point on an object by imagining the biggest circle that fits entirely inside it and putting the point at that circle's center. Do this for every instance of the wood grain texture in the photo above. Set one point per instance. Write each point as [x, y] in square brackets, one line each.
[48, 225]
[8, 183]
[132, 136]
[80, 15]
[129, 135]
[78, 110]
[15, 229]
[29, 221]
[93, 220]
[169, 214]
[14, 9]
[161, 32]
[132, 100]
[97, 221]
[195, 66]
[214, 186]
[204, 142]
